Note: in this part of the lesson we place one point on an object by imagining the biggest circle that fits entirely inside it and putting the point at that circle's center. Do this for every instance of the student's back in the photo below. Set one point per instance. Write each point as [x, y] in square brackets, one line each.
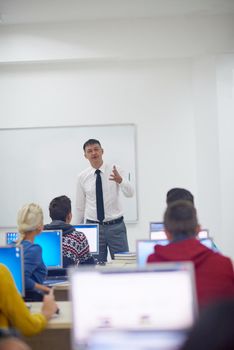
[75, 244]
[214, 272]
[213, 329]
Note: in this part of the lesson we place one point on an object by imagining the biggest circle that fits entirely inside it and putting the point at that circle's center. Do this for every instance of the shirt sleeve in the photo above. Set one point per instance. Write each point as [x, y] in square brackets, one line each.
[32, 259]
[13, 309]
[125, 186]
[80, 202]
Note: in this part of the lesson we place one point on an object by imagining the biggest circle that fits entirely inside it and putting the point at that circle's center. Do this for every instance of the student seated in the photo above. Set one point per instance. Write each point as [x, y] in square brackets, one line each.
[30, 224]
[13, 311]
[213, 271]
[213, 329]
[75, 245]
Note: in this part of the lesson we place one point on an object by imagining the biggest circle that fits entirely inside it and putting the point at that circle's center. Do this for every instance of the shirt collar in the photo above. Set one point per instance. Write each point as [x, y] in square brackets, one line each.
[102, 168]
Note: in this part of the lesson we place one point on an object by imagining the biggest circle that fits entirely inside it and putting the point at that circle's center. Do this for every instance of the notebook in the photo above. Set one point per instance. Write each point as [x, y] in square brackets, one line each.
[12, 257]
[146, 247]
[51, 244]
[156, 230]
[209, 243]
[132, 300]
[91, 232]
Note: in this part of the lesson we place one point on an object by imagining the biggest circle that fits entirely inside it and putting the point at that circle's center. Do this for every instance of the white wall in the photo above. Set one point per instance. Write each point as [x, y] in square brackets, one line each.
[158, 74]
[225, 91]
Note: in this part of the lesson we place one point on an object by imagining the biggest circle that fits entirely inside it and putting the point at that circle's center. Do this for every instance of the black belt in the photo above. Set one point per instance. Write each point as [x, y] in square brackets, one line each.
[111, 222]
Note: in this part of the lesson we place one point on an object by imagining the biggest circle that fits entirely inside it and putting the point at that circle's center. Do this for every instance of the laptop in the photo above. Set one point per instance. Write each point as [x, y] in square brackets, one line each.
[91, 232]
[145, 248]
[136, 340]
[136, 300]
[12, 257]
[51, 244]
[209, 243]
[156, 230]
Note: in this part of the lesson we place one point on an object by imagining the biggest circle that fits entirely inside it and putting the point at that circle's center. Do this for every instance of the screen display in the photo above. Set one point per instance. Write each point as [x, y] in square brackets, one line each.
[11, 237]
[132, 300]
[146, 248]
[91, 232]
[140, 340]
[12, 257]
[157, 231]
[209, 243]
[51, 244]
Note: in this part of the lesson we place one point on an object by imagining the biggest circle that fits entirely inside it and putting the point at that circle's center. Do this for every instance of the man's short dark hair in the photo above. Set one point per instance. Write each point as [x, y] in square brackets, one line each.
[177, 193]
[180, 219]
[91, 142]
[59, 208]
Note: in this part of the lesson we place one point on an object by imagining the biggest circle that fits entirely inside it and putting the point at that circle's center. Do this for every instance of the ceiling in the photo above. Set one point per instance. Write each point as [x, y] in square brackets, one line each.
[37, 11]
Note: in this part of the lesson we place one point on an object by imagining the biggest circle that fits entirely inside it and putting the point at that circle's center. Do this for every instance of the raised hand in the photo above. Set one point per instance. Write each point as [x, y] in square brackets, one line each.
[115, 176]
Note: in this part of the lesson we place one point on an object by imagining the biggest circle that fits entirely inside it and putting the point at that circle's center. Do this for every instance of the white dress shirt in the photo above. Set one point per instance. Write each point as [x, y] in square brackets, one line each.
[86, 193]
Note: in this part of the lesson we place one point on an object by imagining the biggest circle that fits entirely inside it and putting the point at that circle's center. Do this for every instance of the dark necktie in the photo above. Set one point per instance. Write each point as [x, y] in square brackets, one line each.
[99, 197]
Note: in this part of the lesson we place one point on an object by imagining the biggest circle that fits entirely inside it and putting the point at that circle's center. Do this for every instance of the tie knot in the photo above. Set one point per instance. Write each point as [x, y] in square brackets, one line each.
[97, 171]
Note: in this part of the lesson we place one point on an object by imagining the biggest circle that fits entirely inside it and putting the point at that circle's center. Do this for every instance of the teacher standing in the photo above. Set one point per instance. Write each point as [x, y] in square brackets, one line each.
[97, 200]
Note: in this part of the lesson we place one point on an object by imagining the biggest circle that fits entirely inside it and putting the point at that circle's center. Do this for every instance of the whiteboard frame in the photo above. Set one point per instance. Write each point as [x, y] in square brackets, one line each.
[80, 153]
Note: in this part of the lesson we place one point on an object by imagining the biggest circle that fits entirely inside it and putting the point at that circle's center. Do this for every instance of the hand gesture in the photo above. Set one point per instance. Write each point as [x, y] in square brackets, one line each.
[49, 305]
[115, 176]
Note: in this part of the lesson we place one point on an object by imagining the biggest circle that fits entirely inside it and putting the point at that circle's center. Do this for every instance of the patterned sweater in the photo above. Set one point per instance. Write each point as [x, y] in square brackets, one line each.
[75, 244]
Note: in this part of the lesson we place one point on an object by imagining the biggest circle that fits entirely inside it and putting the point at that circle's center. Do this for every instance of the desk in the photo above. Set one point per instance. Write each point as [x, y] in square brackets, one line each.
[57, 334]
[118, 264]
[61, 291]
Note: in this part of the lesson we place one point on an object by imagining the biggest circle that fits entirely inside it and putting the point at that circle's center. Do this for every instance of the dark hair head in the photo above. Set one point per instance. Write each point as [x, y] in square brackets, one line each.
[91, 142]
[176, 194]
[180, 218]
[59, 208]
[214, 328]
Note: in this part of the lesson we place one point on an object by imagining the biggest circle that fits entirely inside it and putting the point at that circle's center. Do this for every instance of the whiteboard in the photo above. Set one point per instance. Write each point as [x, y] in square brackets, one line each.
[38, 164]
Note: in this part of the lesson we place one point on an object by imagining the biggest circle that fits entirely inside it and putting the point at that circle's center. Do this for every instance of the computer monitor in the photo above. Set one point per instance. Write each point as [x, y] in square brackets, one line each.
[136, 340]
[12, 257]
[91, 232]
[146, 247]
[11, 237]
[156, 230]
[136, 299]
[51, 244]
[209, 243]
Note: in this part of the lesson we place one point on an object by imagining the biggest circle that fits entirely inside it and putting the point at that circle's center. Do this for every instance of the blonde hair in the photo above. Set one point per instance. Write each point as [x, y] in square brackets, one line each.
[30, 217]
